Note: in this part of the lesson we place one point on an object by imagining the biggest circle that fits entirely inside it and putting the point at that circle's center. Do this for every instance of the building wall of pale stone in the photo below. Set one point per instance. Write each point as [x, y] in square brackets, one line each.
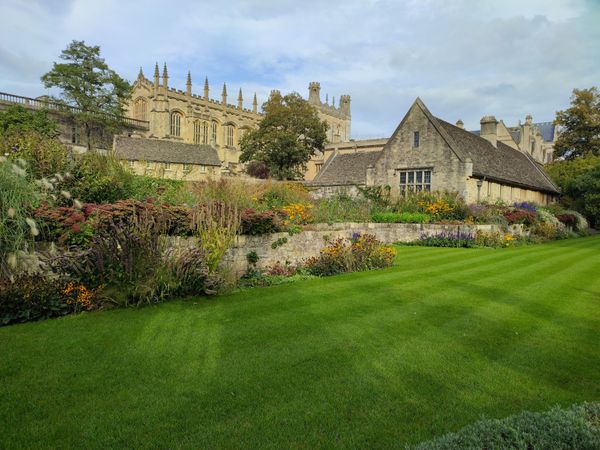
[317, 161]
[173, 171]
[492, 191]
[448, 171]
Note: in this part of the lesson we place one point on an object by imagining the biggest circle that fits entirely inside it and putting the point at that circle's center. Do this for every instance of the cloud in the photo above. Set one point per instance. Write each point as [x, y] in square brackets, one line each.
[465, 59]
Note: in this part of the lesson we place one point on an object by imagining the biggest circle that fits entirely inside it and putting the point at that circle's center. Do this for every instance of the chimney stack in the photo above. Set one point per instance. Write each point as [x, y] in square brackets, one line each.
[460, 124]
[489, 129]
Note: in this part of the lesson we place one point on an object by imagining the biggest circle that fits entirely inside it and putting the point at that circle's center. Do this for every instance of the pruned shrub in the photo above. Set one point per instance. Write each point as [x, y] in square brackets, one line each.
[520, 216]
[577, 428]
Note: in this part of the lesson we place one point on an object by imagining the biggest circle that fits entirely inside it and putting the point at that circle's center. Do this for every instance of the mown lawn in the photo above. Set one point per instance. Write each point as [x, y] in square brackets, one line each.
[375, 359]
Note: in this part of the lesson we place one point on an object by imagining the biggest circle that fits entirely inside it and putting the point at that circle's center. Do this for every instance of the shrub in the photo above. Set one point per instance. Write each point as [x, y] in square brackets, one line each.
[362, 252]
[520, 216]
[258, 169]
[402, 217]
[280, 194]
[447, 239]
[494, 239]
[577, 427]
[342, 208]
[567, 219]
[581, 224]
[441, 205]
[546, 216]
[256, 223]
[548, 231]
[45, 156]
[33, 297]
[297, 213]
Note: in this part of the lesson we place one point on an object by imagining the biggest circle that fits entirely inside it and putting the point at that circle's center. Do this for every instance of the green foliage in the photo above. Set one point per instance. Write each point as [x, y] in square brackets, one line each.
[86, 82]
[286, 138]
[580, 125]
[342, 208]
[279, 242]
[361, 252]
[447, 239]
[29, 298]
[586, 189]
[45, 156]
[400, 217]
[18, 198]
[16, 120]
[256, 223]
[577, 427]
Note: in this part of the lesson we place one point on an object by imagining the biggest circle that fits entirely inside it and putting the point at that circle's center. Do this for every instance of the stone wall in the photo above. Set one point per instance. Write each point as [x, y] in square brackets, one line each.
[308, 243]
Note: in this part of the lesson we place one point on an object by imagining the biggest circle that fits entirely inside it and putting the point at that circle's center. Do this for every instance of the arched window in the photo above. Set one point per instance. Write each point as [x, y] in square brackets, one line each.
[175, 124]
[197, 132]
[213, 133]
[205, 132]
[229, 135]
[139, 109]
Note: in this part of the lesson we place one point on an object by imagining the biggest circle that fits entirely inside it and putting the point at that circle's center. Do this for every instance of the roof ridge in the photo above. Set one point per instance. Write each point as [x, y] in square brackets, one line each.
[326, 165]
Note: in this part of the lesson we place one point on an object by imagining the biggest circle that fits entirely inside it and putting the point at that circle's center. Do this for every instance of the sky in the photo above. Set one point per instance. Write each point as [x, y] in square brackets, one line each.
[463, 58]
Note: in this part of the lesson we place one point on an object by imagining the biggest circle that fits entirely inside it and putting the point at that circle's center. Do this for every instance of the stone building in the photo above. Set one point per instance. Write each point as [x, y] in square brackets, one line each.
[183, 116]
[168, 159]
[426, 153]
[535, 139]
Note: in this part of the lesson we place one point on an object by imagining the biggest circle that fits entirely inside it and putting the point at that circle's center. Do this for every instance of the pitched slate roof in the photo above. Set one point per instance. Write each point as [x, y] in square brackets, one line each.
[155, 150]
[346, 169]
[501, 163]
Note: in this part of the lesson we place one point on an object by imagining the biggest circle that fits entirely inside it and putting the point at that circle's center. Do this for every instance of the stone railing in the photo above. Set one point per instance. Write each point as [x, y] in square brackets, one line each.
[42, 103]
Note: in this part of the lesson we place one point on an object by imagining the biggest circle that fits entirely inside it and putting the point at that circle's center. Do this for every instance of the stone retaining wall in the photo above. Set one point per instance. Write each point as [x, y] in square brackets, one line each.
[308, 243]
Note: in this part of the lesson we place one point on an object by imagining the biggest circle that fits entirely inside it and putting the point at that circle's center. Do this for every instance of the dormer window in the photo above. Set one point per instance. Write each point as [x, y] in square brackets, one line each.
[416, 139]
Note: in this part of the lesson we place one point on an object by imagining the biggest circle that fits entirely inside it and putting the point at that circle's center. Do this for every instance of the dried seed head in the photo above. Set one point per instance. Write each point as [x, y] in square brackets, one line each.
[77, 204]
[30, 222]
[65, 194]
[12, 261]
[11, 212]
[19, 170]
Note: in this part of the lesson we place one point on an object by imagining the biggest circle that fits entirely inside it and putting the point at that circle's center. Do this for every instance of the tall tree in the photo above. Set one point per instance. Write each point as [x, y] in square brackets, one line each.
[580, 124]
[288, 135]
[88, 84]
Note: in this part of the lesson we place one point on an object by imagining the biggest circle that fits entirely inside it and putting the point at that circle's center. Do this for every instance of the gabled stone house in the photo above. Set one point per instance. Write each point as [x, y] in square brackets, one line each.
[427, 153]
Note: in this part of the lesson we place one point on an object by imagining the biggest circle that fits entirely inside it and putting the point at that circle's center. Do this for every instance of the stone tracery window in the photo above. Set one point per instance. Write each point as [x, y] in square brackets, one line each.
[176, 124]
[140, 107]
[229, 135]
[213, 132]
[197, 132]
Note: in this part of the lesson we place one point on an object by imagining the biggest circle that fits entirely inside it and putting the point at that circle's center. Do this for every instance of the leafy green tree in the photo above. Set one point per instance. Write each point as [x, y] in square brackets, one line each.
[585, 191]
[579, 181]
[88, 84]
[16, 119]
[580, 124]
[288, 135]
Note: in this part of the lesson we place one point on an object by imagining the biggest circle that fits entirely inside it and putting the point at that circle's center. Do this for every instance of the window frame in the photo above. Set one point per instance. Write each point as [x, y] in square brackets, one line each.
[175, 128]
[414, 180]
[416, 139]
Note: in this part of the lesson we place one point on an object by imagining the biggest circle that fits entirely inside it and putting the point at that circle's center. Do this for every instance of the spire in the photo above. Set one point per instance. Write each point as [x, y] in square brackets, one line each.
[333, 101]
[327, 99]
[165, 76]
[141, 74]
[188, 85]
[240, 100]
[224, 94]
[254, 104]
[206, 88]
[156, 79]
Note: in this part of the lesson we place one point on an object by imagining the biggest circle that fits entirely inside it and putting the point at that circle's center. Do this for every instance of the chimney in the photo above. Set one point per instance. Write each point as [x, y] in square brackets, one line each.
[489, 129]
[460, 124]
